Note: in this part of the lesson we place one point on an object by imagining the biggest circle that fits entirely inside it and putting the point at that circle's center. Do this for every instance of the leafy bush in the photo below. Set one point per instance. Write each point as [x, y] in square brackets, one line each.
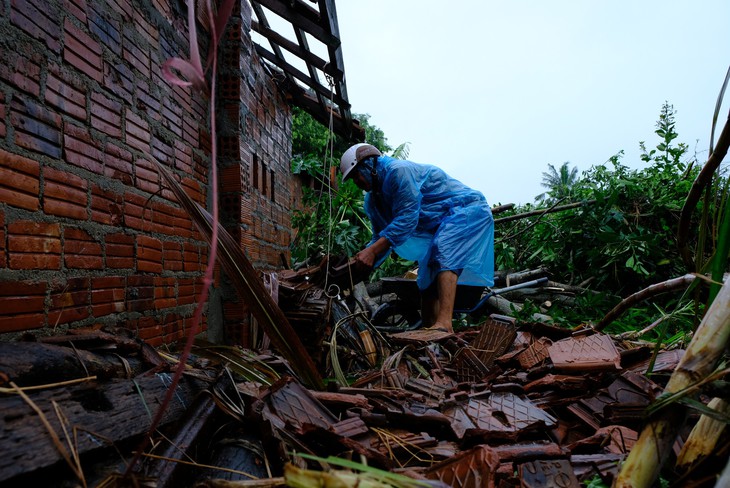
[622, 239]
[330, 219]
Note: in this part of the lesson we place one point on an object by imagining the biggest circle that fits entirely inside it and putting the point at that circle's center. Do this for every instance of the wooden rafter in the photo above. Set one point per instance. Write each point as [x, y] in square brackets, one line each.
[318, 97]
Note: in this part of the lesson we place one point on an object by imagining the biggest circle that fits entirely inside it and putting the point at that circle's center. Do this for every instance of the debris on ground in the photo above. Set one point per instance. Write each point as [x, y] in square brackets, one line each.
[498, 404]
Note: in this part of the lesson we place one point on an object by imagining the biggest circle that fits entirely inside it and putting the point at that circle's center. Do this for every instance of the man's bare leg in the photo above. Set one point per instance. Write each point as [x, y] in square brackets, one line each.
[429, 305]
[446, 283]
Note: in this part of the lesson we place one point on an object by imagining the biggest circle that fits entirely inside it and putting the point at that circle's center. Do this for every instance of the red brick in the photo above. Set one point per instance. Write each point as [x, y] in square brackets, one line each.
[80, 150]
[105, 27]
[34, 245]
[3, 261]
[183, 156]
[149, 254]
[106, 115]
[107, 295]
[125, 8]
[136, 55]
[138, 132]
[230, 178]
[107, 206]
[3, 130]
[194, 189]
[64, 194]
[189, 324]
[162, 151]
[172, 259]
[183, 225]
[204, 138]
[82, 52]
[191, 257]
[119, 79]
[186, 291]
[163, 216]
[34, 261]
[65, 96]
[36, 128]
[19, 181]
[119, 251]
[22, 306]
[81, 251]
[136, 213]
[146, 176]
[118, 163]
[190, 128]
[165, 293]
[176, 335]
[148, 330]
[155, 341]
[145, 28]
[77, 8]
[172, 116]
[23, 73]
[69, 302]
[21, 322]
[39, 20]
[140, 293]
[22, 288]
[147, 100]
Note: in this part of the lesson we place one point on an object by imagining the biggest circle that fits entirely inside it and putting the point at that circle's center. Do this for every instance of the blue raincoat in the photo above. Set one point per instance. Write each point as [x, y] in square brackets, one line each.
[431, 218]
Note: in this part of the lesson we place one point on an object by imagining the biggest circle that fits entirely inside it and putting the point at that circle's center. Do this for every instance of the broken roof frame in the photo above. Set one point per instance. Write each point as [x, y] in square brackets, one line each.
[320, 98]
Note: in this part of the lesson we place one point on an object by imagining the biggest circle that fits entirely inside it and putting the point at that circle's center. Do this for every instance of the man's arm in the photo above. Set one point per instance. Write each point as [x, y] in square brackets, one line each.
[369, 255]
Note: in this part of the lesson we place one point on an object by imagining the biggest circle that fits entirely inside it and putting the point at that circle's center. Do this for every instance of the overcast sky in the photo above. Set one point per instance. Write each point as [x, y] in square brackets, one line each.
[494, 91]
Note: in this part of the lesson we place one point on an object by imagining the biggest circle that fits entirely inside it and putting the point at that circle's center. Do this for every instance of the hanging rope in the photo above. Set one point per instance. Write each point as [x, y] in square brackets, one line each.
[328, 178]
[329, 151]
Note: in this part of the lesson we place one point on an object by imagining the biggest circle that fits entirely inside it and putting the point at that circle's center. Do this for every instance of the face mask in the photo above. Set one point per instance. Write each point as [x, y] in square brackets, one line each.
[365, 169]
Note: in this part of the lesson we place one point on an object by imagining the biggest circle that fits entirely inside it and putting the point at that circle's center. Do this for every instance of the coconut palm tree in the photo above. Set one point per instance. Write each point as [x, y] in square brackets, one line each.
[559, 182]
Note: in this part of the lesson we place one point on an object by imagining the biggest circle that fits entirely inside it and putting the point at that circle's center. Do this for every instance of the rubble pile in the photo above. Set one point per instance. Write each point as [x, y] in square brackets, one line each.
[499, 404]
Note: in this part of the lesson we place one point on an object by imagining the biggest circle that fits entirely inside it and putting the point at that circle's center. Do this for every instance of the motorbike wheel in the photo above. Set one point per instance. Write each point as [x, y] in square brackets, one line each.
[396, 316]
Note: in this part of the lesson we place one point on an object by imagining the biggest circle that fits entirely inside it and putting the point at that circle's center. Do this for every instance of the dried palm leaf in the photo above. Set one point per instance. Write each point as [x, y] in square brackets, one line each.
[251, 289]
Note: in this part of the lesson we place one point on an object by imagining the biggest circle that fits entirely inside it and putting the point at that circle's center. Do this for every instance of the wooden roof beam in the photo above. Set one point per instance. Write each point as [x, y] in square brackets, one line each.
[303, 77]
[303, 16]
[297, 50]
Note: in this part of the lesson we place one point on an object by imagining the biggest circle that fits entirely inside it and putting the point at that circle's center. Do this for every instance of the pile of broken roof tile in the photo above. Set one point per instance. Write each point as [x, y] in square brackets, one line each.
[496, 405]
[492, 407]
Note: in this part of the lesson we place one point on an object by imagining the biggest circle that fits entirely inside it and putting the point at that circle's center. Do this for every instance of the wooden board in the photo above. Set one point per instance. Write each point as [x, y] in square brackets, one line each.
[112, 411]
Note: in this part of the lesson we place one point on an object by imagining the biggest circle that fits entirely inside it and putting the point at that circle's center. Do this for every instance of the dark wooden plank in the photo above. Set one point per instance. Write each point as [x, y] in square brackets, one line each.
[35, 363]
[110, 411]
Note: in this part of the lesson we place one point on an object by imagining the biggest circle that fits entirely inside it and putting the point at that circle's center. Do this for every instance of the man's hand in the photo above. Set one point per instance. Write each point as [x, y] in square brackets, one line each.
[366, 258]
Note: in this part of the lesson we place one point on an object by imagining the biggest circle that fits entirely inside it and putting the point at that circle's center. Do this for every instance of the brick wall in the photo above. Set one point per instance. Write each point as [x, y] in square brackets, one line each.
[86, 237]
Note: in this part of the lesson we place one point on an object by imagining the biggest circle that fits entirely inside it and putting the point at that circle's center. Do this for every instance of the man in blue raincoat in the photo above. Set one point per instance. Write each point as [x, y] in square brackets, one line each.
[424, 215]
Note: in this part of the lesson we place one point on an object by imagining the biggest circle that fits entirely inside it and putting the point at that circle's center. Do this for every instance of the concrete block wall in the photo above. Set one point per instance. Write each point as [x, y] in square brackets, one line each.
[86, 236]
[255, 155]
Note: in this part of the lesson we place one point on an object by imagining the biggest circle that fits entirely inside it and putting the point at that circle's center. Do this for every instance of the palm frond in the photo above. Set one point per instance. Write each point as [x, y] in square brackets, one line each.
[245, 280]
